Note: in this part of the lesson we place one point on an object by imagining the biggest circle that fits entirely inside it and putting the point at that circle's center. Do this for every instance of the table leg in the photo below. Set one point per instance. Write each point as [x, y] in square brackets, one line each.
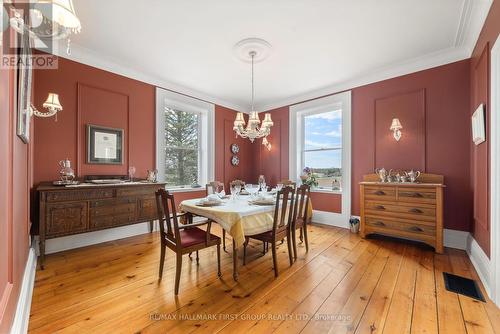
[235, 262]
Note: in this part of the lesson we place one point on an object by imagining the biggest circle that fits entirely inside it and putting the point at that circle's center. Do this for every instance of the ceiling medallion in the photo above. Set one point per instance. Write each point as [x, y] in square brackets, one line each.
[253, 50]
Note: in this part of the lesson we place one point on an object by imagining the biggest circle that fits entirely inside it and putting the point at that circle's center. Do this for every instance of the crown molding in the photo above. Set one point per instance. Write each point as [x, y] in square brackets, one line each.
[472, 18]
[410, 66]
[89, 57]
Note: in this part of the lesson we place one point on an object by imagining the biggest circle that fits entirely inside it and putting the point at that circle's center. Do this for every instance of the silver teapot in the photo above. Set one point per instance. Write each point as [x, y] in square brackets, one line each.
[383, 174]
[67, 174]
[412, 175]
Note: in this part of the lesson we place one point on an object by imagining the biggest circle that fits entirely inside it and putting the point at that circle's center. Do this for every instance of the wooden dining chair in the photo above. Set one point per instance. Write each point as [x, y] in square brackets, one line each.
[182, 239]
[301, 217]
[288, 183]
[212, 188]
[281, 229]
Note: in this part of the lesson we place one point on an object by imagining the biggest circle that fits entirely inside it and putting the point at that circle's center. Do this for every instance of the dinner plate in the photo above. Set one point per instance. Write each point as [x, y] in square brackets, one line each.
[208, 204]
[262, 202]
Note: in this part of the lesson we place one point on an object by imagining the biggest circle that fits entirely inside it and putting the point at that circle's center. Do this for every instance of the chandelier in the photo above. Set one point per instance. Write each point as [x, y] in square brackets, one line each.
[254, 128]
[49, 19]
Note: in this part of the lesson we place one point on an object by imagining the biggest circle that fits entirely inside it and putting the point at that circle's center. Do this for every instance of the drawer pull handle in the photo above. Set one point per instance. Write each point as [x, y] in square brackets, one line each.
[415, 210]
[379, 223]
[379, 192]
[418, 195]
[416, 229]
[380, 207]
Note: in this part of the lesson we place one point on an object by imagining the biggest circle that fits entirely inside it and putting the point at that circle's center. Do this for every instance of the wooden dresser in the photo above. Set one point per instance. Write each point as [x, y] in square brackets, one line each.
[404, 210]
[72, 210]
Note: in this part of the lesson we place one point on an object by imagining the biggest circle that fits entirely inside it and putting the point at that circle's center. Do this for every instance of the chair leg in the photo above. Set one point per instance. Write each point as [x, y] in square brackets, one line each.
[219, 273]
[294, 241]
[224, 240]
[289, 243]
[178, 273]
[301, 236]
[275, 260]
[162, 260]
[305, 237]
[263, 248]
[197, 258]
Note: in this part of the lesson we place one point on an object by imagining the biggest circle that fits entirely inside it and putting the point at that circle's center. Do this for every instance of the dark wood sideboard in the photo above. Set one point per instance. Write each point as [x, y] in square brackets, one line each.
[72, 210]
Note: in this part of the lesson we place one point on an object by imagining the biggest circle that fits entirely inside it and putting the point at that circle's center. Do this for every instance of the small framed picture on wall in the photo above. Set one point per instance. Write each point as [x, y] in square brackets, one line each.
[104, 145]
[478, 125]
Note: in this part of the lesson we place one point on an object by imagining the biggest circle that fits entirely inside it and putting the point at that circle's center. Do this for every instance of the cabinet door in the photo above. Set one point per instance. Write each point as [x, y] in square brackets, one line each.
[146, 208]
[66, 218]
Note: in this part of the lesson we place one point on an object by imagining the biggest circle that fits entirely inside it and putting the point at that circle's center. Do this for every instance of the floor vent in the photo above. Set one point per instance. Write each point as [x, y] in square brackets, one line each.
[463, 286]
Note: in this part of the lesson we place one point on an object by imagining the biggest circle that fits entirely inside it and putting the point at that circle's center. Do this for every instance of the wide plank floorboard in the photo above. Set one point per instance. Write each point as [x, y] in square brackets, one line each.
[344, 284]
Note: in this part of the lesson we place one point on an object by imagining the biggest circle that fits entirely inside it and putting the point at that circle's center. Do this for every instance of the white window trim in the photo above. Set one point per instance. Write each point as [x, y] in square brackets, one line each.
[297, 113]
[206, 158]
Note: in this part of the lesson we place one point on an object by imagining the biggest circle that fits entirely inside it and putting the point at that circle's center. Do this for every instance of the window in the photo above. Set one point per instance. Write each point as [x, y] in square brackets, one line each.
[182, 151]
[185, 142]
[322, 147]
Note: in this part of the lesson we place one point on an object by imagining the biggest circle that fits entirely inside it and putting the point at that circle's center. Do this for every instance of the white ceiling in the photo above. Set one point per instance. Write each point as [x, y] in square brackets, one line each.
[319, 46]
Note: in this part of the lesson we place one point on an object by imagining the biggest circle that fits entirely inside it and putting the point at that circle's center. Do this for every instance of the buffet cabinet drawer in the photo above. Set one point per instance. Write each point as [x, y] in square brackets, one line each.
[111, 221]
[77, 195]
[417, 195]
[112, 210]
[397, 225]
[66, 218]
[416, 211]
[111, 202]
[380, 193]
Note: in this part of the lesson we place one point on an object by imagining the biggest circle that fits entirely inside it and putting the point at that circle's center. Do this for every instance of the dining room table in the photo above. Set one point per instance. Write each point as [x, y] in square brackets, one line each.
[239, 216]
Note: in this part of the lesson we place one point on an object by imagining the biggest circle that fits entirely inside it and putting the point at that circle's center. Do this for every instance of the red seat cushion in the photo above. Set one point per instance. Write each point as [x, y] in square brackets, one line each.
[193, 236]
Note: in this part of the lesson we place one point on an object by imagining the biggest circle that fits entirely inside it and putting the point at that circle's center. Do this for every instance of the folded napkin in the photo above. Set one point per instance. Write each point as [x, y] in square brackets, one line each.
[264, 197]
[221, 194]
[214, 198]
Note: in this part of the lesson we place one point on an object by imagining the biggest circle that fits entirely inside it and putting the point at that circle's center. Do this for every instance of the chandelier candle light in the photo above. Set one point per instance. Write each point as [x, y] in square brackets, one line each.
[254, 129]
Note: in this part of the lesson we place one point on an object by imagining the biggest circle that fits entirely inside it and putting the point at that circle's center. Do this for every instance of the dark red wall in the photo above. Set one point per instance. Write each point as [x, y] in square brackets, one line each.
[480, 159]
[433, 106]
[93, 96]
[15, 184]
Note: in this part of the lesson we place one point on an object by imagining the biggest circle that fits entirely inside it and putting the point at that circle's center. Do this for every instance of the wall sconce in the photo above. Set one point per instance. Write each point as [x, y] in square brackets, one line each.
[266, 143]
[52, 105]
[396, 128]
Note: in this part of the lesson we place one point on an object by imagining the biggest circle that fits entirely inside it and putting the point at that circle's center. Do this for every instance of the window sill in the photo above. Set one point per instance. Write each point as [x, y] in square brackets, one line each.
[327, 191]
[185, 190]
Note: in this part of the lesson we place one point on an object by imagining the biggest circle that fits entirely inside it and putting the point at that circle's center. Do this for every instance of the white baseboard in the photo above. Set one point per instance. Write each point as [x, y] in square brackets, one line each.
[91, 238]
[455, 239]
[330, 218]
[21, 319]
[480, 261]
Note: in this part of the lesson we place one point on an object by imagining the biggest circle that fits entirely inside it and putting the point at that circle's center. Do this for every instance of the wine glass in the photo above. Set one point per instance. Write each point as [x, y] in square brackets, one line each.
[233, 192]
[131, 172]
[237, 187]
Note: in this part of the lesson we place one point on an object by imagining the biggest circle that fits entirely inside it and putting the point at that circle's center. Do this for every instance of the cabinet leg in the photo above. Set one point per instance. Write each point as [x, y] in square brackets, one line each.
[151, 225]
[42, 253]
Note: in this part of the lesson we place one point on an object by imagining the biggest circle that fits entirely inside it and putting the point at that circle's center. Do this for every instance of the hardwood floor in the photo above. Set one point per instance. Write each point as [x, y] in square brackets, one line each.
[343, 285]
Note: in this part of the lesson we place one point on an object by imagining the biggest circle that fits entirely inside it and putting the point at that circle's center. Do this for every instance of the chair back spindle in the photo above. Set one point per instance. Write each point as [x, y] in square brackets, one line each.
[300, 212]
[284, 209]
[167, 213]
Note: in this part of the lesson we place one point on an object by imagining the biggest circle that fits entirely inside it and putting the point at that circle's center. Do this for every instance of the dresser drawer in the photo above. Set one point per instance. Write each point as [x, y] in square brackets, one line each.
[412, 211]
[66, 218]
[380, 193]
[396, 226]
[113, 210]
[417, 195]
[111, 221]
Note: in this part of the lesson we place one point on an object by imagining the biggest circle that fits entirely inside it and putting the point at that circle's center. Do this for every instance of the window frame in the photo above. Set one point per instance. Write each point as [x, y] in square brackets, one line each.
[296, 142]
[206, 135]
[311, 112]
